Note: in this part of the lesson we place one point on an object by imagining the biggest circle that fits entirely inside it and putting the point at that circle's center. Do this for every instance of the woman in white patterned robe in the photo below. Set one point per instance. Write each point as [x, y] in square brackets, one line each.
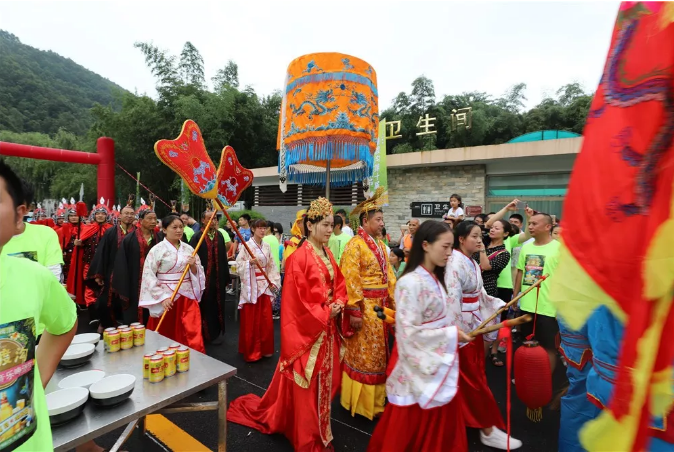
[256, 330]
[423, 413]
[162, 270]
[479, 407]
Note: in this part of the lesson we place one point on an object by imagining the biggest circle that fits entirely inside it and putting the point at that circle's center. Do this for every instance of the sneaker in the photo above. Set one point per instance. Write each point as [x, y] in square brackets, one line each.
[276, 317]
[230, 291]
[499, 440]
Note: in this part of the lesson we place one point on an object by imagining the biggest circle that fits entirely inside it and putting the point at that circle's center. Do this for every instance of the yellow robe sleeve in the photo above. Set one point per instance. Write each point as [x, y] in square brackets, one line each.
[350, 266]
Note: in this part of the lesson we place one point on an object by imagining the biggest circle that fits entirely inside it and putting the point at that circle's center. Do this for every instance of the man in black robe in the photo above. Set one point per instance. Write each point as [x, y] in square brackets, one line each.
[213, 256]
[100, 271]
[128, 270]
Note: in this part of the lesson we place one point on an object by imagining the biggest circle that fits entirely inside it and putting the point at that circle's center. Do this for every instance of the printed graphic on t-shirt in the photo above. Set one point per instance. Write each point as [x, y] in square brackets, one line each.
[533, 268]
[17, 367]
[31, 255]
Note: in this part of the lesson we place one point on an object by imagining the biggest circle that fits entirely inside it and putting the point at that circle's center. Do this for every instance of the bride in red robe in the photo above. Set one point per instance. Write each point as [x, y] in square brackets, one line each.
[298, 400]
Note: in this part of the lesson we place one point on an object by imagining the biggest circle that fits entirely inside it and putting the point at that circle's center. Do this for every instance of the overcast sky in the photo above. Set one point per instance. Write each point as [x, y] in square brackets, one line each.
[461, 46]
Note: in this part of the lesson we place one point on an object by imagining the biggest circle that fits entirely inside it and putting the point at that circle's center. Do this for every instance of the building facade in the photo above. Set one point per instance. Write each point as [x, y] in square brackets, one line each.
[488, 177]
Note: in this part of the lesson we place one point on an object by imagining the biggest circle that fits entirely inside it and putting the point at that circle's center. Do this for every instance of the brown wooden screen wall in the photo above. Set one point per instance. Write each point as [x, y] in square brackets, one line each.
[271, 195]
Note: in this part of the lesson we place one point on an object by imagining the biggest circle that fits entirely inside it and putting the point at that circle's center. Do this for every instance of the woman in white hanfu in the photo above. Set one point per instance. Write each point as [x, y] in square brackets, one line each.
[164, 265]
[479, 407]
[256, 329]
[423, 413]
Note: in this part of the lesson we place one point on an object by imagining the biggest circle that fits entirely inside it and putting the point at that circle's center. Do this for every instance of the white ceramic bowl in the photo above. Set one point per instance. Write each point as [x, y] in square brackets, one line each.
[66, 404]
[77, 354]
[86, 338]
[113, 389]
[82, 379]
[76, 351]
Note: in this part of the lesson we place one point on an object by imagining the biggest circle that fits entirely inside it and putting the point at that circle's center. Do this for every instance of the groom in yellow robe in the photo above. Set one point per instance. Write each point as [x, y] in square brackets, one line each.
[370, 282]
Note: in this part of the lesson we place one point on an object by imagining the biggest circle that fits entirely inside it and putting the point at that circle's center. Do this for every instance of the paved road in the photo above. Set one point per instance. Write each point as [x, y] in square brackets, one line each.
[198, 431]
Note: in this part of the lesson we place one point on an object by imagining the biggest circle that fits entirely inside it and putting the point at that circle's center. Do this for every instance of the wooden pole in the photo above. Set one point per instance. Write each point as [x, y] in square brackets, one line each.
[507, 323]
[511, 302]
[327, 181]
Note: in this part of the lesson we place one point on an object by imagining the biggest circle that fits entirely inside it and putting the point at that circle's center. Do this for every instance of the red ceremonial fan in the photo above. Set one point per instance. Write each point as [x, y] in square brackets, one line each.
[187, 156]
[233, 178]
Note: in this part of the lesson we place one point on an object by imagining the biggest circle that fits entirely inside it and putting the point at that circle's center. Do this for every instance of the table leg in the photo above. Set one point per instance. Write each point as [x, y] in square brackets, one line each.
[128, 431]
[222, 416]
[142, 426]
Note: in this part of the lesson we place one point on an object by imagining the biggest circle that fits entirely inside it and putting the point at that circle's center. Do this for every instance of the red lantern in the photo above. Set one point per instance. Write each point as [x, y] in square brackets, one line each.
[533, 378]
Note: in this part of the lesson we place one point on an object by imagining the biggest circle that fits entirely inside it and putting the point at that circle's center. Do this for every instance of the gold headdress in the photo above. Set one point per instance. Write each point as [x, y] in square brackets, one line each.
[132, 198]
[376, 202]
[320, 207]
[174, 203]
[297, 229]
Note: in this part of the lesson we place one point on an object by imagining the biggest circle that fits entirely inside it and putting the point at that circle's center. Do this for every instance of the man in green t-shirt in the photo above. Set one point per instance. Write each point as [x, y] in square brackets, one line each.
[273, 244]
[29, 294]
[536, 259]
[338, 239]
[33, 241]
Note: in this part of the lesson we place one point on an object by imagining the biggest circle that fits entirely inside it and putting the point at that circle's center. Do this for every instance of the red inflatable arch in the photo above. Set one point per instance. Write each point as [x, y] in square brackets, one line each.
[104, 158]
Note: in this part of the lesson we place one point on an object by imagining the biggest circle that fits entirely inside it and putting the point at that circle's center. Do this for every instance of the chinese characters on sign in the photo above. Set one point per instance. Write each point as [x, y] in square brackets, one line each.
[429, 209]
[461, 118]
[425, 125]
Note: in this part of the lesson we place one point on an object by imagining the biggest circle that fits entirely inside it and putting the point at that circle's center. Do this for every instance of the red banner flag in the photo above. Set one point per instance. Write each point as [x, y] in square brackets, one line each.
[187, 156]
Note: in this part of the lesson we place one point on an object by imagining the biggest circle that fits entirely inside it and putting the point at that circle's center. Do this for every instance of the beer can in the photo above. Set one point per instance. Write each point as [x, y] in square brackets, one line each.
[134, 324]
[175, 346]
[160, 351]
[183, 359]
[146, 364]
[114, 338]
[106, 341]
[169, 363]
[156, 369]
[122, 327]
[139, 335]
[126, 338]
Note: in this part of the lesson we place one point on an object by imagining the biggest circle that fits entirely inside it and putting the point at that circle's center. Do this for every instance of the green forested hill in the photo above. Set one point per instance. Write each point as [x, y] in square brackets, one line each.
[41, 91]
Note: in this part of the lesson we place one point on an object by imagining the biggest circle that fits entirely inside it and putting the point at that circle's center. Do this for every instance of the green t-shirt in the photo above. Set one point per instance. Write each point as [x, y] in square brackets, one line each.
[274, 245]
[189, 232]
[337, 243]
[534, 262]
[225, 235]
[29, 294]
[37, 243]
[505, 278]
[400, 270]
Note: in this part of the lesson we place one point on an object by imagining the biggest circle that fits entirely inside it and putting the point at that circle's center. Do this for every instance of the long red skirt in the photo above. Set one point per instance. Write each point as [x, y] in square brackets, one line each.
[479, 407]
[286, 409]
[182, 324]
[256, 330]
[412, 429]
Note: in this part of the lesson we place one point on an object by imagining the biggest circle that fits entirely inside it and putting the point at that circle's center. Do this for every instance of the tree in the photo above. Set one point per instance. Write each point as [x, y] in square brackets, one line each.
[423, 95]
[191, 66]
[162, 65]
[514, 98]
[569, 93]
[226, 77]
